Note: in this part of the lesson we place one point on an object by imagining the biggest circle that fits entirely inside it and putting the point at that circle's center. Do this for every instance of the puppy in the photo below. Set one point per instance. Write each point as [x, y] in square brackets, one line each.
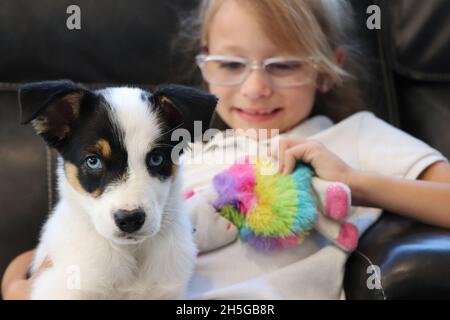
[118, 230]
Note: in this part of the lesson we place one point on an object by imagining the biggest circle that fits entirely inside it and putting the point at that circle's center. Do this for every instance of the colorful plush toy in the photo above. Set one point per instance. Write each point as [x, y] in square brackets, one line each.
[271, 211]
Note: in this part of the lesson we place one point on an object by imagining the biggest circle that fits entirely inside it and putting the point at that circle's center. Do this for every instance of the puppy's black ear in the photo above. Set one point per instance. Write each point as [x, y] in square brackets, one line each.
[51, 107]
[182, 105]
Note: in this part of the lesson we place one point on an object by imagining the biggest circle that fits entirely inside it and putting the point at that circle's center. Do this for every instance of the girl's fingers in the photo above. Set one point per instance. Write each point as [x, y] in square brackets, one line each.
[44, 266]
[17, 290]
[288, 164]
[291, 156]
[289, 150]
[17, 270]
[15, 284]
[281, 154]
[283, 146]
[300, 152]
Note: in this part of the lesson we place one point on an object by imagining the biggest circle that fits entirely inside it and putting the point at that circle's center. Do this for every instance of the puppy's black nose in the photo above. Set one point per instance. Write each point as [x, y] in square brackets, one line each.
[129, 221]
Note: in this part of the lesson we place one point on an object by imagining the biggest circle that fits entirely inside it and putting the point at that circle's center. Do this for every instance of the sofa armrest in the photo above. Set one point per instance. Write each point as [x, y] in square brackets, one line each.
[413, 260]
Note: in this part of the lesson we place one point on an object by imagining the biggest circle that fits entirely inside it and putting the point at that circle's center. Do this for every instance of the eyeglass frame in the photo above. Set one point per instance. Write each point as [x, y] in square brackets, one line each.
[254, 64]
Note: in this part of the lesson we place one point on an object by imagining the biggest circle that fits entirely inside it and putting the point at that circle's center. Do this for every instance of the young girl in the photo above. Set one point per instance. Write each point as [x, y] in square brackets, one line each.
[287, 65]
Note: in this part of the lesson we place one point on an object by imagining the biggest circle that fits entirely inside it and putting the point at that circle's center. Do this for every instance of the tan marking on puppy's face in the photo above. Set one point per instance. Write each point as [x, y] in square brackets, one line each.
[174, 171]
[72, 176]
[96, 193]
[103, 148]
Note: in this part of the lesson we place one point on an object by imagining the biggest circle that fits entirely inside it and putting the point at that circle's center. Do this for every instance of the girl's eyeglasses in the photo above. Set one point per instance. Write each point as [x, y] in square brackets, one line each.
[279, 71]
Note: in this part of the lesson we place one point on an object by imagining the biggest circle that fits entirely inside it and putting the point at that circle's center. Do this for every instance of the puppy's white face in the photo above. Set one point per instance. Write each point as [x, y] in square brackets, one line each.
[118, 164]
[116, 150]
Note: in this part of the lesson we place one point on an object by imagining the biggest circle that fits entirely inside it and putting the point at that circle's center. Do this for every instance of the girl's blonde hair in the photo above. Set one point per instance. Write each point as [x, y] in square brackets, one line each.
[313, 27]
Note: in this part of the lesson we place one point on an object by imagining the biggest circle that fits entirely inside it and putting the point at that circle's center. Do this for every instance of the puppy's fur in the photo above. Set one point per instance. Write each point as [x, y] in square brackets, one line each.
[114, 159]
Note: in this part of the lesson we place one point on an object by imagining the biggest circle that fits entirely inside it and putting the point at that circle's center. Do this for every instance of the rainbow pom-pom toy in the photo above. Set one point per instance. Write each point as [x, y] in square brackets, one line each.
[268, 210]
[271, 211]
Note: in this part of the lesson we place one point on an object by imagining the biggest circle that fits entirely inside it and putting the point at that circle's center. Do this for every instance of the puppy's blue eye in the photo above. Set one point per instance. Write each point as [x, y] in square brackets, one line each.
[94, 163]
[155, 159]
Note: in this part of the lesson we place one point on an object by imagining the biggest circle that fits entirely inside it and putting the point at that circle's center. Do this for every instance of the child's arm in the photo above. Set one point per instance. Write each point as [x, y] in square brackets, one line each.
[15, 284]
[427, 201]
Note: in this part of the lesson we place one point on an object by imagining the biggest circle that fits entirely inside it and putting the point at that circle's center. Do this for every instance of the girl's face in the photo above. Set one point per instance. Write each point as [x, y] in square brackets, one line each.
[254, 104]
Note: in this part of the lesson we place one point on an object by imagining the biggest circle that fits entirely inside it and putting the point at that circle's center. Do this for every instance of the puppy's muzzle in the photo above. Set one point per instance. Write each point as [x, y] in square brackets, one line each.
[129, 221]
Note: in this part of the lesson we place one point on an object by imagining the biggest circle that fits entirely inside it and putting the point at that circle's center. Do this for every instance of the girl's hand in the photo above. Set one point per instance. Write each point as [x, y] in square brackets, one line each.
[15, 285]
[326, 164]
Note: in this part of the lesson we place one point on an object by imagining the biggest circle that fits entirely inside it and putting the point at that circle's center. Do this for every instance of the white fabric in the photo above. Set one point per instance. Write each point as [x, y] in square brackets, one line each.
[314, 269]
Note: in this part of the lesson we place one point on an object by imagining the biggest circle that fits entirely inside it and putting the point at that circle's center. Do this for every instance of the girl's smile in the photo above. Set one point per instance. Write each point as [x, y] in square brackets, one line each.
[257, 114]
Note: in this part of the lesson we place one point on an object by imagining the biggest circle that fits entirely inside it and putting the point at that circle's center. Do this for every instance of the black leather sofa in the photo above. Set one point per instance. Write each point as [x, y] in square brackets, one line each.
[123, 42]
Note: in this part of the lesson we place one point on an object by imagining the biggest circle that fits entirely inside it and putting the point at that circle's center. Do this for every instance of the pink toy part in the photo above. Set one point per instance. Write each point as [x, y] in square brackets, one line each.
[336, 202]
[188, 194]
[289, 241]
[348, 235]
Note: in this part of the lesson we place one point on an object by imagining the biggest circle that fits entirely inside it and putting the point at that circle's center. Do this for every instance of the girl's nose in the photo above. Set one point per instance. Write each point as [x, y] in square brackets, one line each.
[256, 86]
